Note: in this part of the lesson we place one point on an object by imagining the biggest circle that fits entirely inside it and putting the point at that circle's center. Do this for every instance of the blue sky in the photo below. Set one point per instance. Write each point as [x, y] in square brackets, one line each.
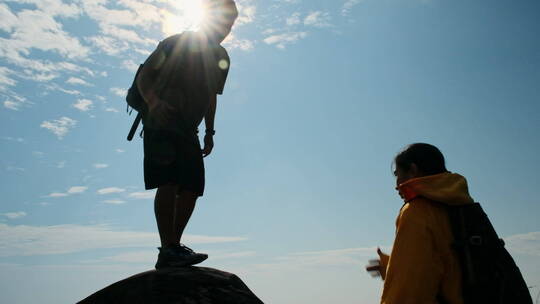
[320, 97]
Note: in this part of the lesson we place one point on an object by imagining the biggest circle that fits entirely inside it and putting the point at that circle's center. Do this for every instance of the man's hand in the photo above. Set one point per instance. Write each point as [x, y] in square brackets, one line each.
[208, 144]
[377, 268]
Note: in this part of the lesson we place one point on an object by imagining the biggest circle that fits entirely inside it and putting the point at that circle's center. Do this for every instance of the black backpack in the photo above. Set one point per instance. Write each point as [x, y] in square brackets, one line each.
[490, 274]
[135, 102]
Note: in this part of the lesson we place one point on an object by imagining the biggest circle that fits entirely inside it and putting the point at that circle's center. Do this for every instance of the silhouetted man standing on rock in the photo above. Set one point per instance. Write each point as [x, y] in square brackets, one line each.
[179, 82]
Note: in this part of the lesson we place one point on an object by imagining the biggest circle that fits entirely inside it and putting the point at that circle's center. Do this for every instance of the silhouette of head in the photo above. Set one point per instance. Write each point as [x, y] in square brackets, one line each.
[220, 18]
[417, 160]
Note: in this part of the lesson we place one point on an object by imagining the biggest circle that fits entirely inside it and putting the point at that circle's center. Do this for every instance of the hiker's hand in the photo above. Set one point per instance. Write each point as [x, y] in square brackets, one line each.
[162, 112]
[208, 145]
[377, 268]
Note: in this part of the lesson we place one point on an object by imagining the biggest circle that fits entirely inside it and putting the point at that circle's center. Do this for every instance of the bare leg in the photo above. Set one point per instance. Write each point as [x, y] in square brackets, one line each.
[185, 203]
[164, 208]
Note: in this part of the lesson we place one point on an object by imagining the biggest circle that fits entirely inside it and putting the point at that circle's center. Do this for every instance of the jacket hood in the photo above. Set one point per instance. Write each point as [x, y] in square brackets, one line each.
[449, 188]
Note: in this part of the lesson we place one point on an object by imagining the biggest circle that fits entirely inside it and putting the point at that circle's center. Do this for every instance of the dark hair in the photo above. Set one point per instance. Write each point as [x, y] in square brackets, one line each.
[225, 9]
[427, 158]
[223, 13]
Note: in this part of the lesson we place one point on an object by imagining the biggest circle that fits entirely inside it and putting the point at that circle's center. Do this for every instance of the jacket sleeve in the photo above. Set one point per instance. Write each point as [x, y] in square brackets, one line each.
[414, 270]
[383, 259]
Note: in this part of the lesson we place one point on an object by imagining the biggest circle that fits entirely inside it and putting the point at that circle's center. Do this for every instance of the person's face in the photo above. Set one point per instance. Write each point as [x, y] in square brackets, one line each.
[405, 175]
[220, 17]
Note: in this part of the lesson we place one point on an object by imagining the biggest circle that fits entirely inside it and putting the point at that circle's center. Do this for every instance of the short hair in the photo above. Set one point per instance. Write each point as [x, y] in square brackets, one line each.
[426, 157]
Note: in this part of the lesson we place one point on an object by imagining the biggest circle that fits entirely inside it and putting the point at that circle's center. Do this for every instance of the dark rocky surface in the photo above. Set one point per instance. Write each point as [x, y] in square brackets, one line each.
[188, 285]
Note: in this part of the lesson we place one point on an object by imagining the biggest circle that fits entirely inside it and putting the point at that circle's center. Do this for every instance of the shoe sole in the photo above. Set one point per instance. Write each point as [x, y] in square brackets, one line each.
[172, 264]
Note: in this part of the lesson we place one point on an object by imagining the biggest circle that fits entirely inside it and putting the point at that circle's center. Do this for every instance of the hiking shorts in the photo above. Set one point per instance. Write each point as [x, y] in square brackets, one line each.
[172, 158]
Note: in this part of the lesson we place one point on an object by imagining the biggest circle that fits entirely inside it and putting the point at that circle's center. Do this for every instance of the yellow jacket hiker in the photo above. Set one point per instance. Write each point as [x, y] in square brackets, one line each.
[422, 267]
[422, 264]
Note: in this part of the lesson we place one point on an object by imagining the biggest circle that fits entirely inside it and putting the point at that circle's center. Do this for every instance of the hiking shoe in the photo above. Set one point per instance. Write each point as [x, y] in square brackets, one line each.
[178, 256]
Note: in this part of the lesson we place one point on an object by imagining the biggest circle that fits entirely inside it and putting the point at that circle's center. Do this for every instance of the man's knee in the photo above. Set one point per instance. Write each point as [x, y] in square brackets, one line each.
[186, 195]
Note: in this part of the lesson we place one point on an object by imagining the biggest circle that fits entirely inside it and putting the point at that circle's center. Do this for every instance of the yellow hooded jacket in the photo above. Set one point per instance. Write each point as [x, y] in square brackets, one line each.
[422, 265]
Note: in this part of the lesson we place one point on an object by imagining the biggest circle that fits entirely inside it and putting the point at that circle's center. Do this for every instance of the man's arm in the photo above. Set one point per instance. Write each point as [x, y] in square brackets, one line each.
[148, 82]
[209, 123]
[211, 113]
[148, 77]
[414, 269]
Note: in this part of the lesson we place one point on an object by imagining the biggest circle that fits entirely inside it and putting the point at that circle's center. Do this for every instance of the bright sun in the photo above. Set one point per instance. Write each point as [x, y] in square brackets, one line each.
[186, 15]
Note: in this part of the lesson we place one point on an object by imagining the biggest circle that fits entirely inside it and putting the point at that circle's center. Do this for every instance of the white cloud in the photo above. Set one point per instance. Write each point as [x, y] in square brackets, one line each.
[57, 194]
[293, 20]
[70, 191]
[147, 14]
[56, 87]
[61, 164]
[60, 127]
[5, 79]
[338, 257]
[12, 105]
[242, 44]
[527, 243]
[316, 262]
[130, 65]
[143, 256]
[14, 101]
[40, 67]
[231, 42]
[126, 35]
[70, 92]
[13, 168]
[104, 16]
[110, 190]
[246, 13]
[114, 202]
[119, 92]
[318, 19]
[138, 13]
[281, 40]
[38, 154]
[101, 166]
[15, 139]
[120, 150]
[108, 45]
[115, 38]
[348, 6]
[39, 77]
[14, 215]
[78, 81]
[83, 105]
[53, 7]
[143, 195]
[77, 189]
[131, 257]
[22, 240]
[269, 31]
[9, 20]
[111, 110]
[37, 29]
[233, 255]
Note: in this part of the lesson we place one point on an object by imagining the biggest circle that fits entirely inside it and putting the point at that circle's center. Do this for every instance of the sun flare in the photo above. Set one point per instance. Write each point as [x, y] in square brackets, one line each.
[185, 15]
